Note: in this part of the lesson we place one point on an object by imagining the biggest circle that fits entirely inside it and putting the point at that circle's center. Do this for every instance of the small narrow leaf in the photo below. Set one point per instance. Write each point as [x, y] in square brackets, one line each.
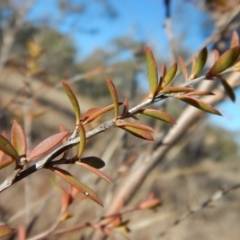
[216, 55]
[99, 113]
[138, 133]
[125, 109]
[228, 88]
[183, 67]
[77, 184]
[199, 93]
[47, 144]
[200, 63]
[170, 74]
[82, 142]
[114, 96]
[135, 125]
[224, 62]
[73, 100]
[89, 113]
[158, 115]
[163, 70]
[169, 90]
[19, 139]
[8, 149]
[5, 230]
[198, 104]
[152, 72]
[93, 162]
[151, 202]
[95, 171]
[234, 40]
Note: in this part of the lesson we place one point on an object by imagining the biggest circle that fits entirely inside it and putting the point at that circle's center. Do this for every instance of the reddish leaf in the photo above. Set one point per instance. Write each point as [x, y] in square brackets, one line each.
[135, 125]
[183, 67]
[225, 61]
[89, 113]
[93, 161]
[73, 100]
[100, 113]
[5, 230]
[82, 142]
[168, 90]
[19, 139]
[79, 185]
[8, 149]
[199, 93]
[138, 133]
[234, 40]
[95, 171]
[198, 104]
[200, 63]
[125, 109]
[151, 202]
[170, 74]
[216, 55]
[47, 144]
[158, 115]
[114, 96]
[163, 70]
[228, 88]
[152, 72]
[66, 199]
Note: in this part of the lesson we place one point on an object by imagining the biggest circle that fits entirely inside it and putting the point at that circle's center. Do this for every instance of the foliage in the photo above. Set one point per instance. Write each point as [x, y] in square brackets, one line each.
[152, 118]
[159, 90]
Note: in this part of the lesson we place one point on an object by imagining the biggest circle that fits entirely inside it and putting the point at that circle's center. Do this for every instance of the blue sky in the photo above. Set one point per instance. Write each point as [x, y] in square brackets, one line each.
[143, 21]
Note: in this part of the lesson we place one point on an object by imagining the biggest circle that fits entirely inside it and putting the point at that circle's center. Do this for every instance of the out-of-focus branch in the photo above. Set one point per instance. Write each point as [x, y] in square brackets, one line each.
[169, 33]
[216, 196]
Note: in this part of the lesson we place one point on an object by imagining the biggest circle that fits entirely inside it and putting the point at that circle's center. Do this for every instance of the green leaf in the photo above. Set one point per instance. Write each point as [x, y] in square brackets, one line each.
[5, 230]
[138, 133]
[73, 100]
[169, 90]
[158, 115]
[198, 104]
[170, 74]
[82, 142]
[77, 184]
[228, 88]
[152, 72]
[47, 145]
[8, 149]
[93, 162]
[19, 139]
[96, 171]
[183, 67]
[200, 63]
[225, 61]
[114, 96]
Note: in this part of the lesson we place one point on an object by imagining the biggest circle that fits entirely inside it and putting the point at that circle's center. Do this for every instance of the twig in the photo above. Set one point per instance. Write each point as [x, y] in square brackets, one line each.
[216, 196]
[102, 128]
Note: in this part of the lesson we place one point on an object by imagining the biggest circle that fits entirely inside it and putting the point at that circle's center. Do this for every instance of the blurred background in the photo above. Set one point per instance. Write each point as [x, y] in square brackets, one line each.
[83, 41]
